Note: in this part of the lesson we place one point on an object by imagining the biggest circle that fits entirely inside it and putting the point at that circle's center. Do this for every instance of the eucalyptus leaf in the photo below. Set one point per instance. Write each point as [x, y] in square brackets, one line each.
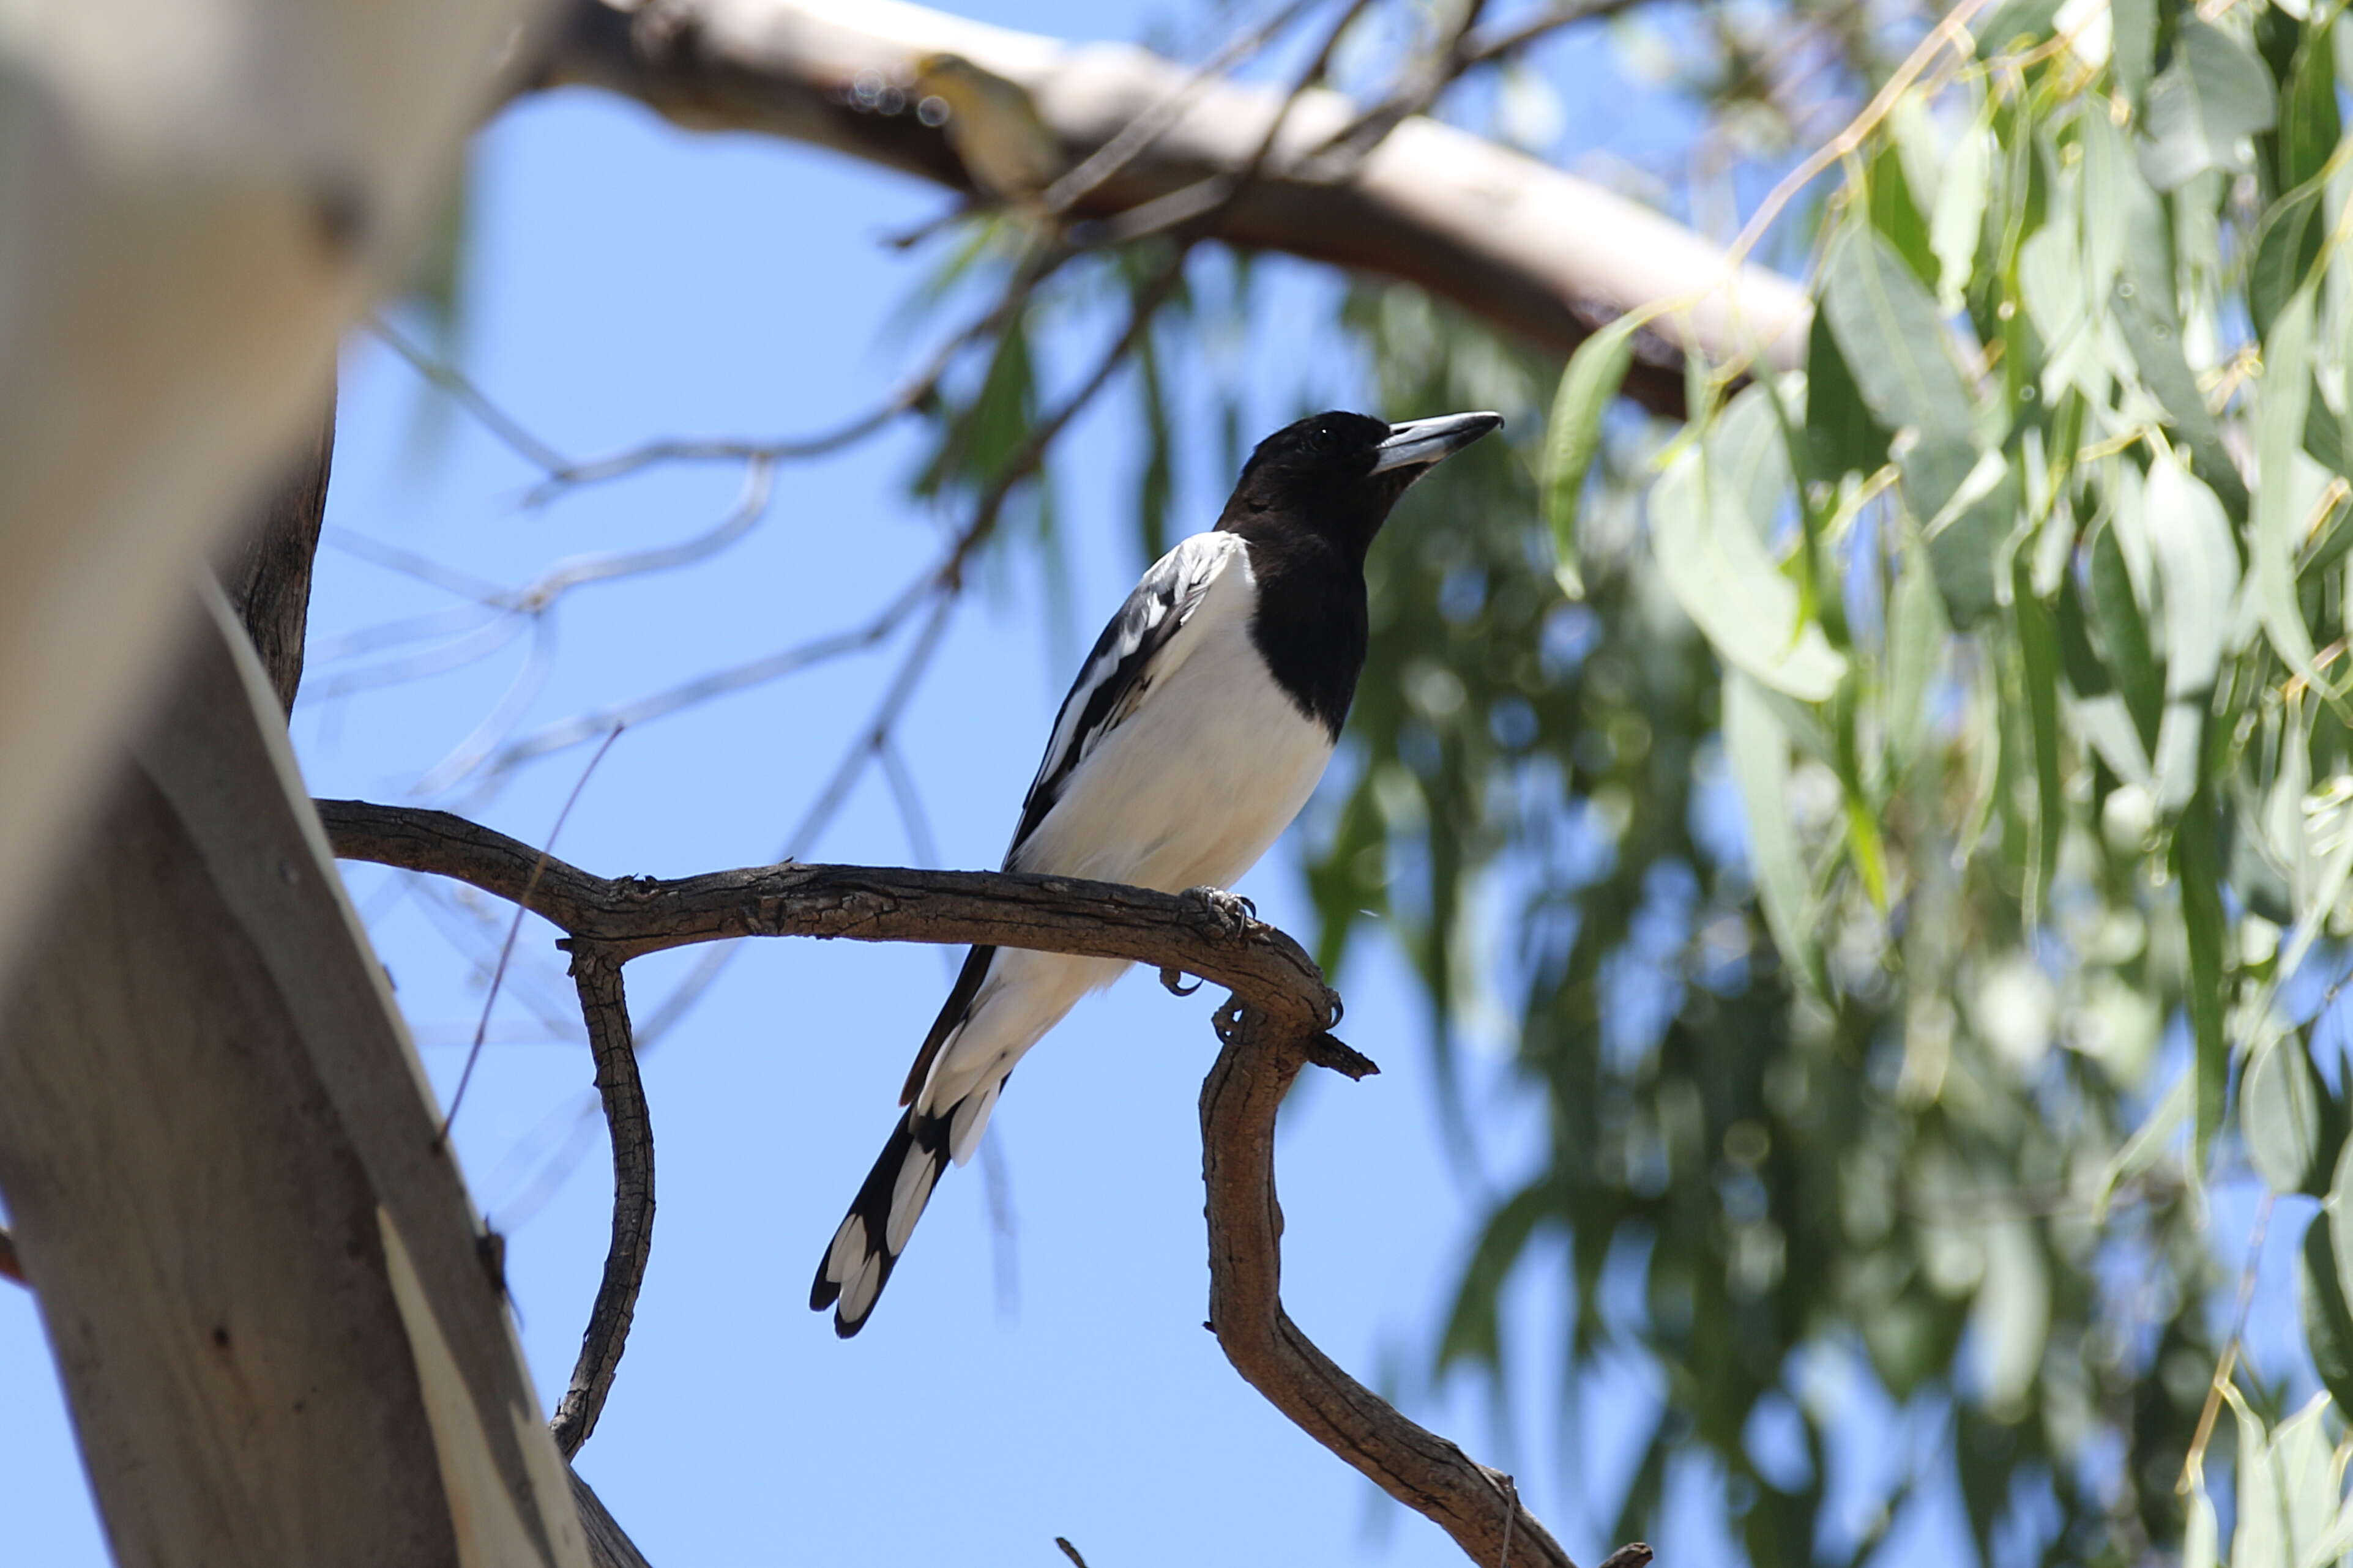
[2327, 1323]
[1596, 371]
[2287, 246]
[1758, 752]
[2279, 1116]
[2198, 565]
[1893, 341]
[2150, 328]
[1895, 214]
[2132, 46]
[1842, 436]
[2124, 634]
[2279, 507]
[2309, 120]
[2197, 864]
[2260, 1538]
[2204, 106]
[2037, 650]
[1723, 578]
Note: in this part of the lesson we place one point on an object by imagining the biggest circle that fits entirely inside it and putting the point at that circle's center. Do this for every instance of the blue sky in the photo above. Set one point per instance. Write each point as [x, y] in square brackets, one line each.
[629, 280]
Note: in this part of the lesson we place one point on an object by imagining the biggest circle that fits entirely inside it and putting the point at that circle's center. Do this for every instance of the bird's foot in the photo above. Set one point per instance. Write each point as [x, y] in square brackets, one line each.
[1174, 979]
[1232, 911]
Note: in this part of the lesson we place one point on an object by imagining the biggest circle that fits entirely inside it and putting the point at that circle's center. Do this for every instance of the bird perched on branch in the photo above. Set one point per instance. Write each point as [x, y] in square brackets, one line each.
[1197, 728]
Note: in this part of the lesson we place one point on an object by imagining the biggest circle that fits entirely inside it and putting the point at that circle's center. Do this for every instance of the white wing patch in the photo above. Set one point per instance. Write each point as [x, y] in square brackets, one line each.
[1137, 650]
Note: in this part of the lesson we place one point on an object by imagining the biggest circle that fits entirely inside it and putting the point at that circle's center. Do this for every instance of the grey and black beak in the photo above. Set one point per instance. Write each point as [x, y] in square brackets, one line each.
[1424, 443]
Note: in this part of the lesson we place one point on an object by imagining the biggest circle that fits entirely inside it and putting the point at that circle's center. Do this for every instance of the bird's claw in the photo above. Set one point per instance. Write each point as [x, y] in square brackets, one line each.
[1233, 912]
[1174, 979]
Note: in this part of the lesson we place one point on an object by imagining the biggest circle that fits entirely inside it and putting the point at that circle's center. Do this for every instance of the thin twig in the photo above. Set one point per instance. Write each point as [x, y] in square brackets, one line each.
[506, 949]
[471, 398]
[1070, 1552]
[1139, 134]
[2227, 1362]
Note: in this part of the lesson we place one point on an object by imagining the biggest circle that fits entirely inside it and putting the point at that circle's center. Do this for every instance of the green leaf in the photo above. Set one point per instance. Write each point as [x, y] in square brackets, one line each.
[2198, 568]
[2279, 509]
[2038, 649]
[2323, 438]
[2260, 1538]
[2146, 1147]
[2112, 188]
[2309, 123]
[1474, 1329]
[1958, 213]
[1596, 371]
[1893, 342]
[2144, 315]
[2124, 636]
[1967, 539]
[1759, 752]
[2201, 1534]
[2016, 26]
[2287, 246]
[1720, 572]
[1917, 630]
[1896, 214]
[2204, 106]
[2279, 1115]
[1841, 437]
[2308, 1491]
[2198, 865]
[2328, 1324]
[2132, 48]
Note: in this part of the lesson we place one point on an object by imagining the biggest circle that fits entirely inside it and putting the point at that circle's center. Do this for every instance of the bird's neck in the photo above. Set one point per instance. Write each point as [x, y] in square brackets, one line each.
[1310, 622]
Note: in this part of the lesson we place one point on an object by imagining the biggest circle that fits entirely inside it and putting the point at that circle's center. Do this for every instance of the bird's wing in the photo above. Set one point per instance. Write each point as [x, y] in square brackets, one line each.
[1138, 649]
[1134, 652]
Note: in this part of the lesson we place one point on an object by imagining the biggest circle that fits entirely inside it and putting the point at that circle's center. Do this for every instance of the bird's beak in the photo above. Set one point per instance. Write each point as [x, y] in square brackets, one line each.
[1421, 443]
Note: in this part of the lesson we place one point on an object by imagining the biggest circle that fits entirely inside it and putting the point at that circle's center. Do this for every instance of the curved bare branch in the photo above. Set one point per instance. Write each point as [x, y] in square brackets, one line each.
[1276, 1022]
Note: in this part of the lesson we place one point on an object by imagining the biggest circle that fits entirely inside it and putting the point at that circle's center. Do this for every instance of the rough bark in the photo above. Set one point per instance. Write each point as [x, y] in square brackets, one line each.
[258, 1270]
[627, 916]
[604, 1007]
[268, 579]
[1522, 246]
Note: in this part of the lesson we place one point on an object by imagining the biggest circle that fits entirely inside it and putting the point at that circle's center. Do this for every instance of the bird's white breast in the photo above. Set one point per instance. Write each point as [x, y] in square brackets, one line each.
[1202, 777]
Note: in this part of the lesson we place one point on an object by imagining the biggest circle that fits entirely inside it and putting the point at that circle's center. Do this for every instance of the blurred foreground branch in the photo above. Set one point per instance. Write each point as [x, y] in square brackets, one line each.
[1521, 245]
[260, 1277]
[1276, 1021]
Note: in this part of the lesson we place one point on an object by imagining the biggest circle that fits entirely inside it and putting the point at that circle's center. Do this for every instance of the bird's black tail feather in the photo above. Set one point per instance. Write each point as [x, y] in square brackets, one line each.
[858, 1262]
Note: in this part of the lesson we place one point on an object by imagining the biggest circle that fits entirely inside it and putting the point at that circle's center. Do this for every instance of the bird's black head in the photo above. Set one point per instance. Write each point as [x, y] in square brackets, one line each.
[1337, 474]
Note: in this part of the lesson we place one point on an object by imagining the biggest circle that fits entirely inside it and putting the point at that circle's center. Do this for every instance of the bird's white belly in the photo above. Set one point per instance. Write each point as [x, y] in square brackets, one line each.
[1192, 789]
[1189, 792]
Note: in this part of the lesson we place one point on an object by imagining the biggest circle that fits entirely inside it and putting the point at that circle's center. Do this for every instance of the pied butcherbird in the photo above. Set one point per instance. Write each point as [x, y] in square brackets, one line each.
[1194, 732]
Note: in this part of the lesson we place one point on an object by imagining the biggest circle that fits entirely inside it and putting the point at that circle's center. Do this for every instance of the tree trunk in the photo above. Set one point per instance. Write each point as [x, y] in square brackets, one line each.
[257, 1262]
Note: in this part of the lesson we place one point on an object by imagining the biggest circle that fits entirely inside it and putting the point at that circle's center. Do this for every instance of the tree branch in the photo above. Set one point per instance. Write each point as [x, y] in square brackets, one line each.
[268, 579]
[628, 916]
[1527, 248]
[1276, 1022]
[605, 1007]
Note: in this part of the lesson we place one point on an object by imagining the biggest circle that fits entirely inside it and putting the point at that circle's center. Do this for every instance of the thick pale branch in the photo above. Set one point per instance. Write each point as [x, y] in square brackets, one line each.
[1522, 246]
[628, 916]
